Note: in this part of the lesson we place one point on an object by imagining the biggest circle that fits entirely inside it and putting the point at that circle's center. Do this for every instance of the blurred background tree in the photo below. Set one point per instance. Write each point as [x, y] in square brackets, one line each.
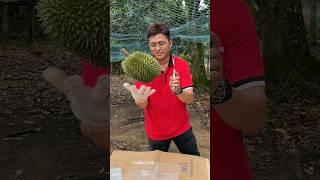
[290, 66]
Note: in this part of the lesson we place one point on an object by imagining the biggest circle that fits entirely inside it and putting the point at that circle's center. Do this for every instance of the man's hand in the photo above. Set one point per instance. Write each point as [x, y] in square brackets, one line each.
[174, 83]
[89, 105]
[139, 95]
[246, 110]
[216, 63]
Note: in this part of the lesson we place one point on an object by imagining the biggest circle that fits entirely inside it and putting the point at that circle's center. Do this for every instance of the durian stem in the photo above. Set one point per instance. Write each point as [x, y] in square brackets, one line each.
[125, 52]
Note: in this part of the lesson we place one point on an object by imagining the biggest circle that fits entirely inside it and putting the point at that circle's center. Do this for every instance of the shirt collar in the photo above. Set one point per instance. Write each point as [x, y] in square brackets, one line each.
[170, 61]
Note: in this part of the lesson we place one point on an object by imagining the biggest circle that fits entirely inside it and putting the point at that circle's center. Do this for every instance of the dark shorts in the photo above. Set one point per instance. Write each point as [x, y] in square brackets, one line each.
[186, 143]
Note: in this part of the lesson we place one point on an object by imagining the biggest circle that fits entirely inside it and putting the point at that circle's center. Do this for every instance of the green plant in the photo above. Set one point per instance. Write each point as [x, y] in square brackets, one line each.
[79, 25]
[186, 56]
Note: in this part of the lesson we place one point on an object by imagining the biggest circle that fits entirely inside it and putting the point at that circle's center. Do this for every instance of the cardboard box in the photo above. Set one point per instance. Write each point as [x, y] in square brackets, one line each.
[191, 167]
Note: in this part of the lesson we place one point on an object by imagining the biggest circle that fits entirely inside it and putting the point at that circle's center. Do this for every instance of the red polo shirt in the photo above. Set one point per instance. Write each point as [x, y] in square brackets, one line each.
[90, 73]
[231, 20]
[165, 115]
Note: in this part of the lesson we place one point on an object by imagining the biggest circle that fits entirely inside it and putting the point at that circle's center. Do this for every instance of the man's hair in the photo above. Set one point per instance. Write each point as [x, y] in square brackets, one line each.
[156, 28]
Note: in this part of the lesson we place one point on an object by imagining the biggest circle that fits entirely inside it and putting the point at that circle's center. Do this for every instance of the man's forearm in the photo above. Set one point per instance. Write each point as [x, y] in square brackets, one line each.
[100, 138]
[246, 110]
[186, 96]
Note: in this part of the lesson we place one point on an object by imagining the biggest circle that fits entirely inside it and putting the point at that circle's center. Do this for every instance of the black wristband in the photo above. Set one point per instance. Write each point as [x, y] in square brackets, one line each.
[222, 94]
[179, 92]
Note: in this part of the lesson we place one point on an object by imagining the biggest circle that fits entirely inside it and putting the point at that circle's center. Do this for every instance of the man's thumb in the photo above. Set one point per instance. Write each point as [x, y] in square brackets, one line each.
[102, 90]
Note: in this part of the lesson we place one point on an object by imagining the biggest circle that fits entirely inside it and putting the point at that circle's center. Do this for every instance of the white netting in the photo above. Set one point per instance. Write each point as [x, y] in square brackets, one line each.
[188, 21]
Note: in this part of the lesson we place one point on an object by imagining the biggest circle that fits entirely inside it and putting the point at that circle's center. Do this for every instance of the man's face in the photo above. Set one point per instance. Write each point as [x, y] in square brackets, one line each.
[160, 46]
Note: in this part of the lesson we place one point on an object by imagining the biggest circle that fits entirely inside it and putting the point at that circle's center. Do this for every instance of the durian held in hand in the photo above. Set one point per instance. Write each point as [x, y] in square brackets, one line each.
[140, 66]
[81, 26]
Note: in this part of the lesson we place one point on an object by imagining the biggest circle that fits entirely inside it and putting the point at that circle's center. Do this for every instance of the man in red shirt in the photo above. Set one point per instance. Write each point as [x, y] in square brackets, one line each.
[238, 102]
[164, 99]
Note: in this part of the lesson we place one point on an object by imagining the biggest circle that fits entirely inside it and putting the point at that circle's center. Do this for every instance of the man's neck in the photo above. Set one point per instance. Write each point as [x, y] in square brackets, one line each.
[164, 63]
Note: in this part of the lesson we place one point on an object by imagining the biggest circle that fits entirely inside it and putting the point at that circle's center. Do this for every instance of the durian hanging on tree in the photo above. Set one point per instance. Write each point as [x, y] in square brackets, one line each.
[140, 66]
[79, 25]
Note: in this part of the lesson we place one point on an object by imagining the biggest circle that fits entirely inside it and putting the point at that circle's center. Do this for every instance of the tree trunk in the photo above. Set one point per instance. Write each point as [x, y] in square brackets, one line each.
[199, 76]
[5, 20]
[284, 40]
[313, 24]
[29, 14]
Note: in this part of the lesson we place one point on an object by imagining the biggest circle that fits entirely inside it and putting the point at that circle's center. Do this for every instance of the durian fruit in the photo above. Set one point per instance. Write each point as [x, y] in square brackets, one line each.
[141, 66]
[79, 25]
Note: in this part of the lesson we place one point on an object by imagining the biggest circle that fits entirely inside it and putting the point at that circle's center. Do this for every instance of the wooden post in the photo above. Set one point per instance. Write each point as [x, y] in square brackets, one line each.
[125, 52]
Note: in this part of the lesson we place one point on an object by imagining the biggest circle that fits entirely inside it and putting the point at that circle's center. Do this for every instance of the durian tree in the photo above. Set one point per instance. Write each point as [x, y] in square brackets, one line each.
[79, 25]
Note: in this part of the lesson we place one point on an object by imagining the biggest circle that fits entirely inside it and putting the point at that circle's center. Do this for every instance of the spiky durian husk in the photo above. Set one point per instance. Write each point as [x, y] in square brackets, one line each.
[141, 67]
[79, 25]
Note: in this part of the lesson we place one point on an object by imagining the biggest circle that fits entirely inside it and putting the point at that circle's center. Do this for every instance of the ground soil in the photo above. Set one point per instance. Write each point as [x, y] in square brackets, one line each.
[39, 136]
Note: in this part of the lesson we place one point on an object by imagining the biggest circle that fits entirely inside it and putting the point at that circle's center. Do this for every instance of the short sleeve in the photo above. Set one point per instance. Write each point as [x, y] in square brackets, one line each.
[243, 64]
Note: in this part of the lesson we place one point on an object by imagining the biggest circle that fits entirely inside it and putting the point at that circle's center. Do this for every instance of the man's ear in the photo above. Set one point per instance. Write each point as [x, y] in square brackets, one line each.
[171, 42]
